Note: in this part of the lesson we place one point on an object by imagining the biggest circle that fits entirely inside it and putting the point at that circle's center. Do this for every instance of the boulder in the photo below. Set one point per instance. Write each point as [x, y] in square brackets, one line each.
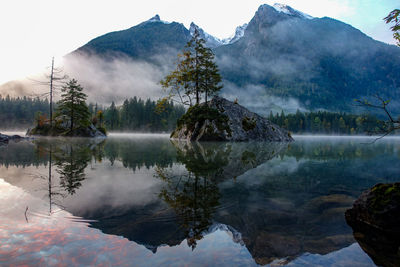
[375, 219]
[378, 207]
[223, 120]
[4, 139]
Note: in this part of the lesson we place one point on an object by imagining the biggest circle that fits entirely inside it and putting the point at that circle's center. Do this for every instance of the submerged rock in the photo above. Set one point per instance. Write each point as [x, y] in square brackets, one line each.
[223, 120]
[375, 219]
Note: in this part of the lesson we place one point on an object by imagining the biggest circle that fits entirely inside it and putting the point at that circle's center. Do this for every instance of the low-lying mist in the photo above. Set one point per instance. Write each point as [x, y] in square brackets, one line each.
[116, 79]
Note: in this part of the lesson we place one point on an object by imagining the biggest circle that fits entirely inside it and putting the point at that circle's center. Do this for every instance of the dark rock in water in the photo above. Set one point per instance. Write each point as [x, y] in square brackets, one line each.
[375, 219]
[378, 207]
[4, 139]
[223, 120]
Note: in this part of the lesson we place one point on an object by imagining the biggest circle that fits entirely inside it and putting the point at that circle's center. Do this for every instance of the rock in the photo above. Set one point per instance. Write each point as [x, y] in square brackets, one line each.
[378, 207]
[4, 139]
[223, 120]
[375, 219]
[61, 130]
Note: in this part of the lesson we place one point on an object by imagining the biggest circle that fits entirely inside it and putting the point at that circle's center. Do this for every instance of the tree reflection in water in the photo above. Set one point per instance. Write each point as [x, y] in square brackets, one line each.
[193, 192]
[71, 159]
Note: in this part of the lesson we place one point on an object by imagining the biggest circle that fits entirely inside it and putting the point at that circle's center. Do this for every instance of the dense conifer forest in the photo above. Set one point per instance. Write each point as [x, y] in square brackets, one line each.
[19, 113]
[136, 114]
[323, 122]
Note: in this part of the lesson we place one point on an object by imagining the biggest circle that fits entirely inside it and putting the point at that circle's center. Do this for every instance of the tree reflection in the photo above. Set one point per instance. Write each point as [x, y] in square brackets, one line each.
[194, 199]
[70, 159]
[193, 194]
[71, 164]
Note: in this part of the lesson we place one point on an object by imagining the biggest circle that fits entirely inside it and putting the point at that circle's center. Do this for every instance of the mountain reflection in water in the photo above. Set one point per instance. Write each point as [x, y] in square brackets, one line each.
[274, 203]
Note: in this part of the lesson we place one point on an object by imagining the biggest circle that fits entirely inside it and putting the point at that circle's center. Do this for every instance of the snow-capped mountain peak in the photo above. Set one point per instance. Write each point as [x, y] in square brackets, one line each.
[156, 18]
[290, 11]
[239, 33]
[211, 41]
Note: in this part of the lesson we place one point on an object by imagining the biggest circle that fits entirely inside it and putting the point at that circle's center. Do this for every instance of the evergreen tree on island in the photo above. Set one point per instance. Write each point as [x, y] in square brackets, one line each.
[72, 105]
[196, 73]
[72, 116]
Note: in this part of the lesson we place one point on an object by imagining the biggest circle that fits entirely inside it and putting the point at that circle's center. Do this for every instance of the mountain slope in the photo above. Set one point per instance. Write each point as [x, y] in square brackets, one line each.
[283, 59]
[323, 63]
[144, 41]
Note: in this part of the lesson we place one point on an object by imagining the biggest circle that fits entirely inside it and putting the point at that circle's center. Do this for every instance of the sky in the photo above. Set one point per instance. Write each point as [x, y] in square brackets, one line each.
[31, 32]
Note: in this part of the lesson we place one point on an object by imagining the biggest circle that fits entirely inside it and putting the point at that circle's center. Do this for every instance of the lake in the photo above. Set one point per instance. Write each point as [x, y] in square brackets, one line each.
[143, 200]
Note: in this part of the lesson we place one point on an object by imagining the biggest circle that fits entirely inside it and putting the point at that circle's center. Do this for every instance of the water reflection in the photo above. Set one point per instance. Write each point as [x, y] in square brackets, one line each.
[279, 202]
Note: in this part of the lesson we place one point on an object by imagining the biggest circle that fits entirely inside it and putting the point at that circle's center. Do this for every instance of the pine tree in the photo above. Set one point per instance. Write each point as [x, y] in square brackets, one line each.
[196, 73]
[72, 105]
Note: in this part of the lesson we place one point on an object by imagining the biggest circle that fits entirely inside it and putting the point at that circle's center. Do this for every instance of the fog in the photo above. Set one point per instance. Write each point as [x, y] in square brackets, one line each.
[255, 98]
[116, 79]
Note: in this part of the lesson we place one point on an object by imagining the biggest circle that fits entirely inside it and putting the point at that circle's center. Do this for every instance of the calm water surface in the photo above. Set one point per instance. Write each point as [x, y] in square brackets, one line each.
[142, 200]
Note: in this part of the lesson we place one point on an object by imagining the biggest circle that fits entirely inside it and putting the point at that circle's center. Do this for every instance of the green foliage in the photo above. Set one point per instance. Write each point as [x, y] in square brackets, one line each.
[200, 113]
[384, 194]
[196, 73]
[72, 106]
[323, 122]
[136, 114]
[394, 17]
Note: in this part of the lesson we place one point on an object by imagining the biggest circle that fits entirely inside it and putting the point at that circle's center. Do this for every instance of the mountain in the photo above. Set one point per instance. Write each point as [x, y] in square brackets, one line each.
[144, 41]
[320, 62]
[283, 59]
[211, 41]
[239, 32]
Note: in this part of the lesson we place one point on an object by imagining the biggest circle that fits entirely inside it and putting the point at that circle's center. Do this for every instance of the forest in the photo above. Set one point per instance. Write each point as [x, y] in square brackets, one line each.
[136, 114]
[323, 122]
[19, 113]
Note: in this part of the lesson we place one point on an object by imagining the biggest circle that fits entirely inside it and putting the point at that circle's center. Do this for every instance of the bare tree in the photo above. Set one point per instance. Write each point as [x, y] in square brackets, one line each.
[391, 124]
[55, 80]
[388, 126]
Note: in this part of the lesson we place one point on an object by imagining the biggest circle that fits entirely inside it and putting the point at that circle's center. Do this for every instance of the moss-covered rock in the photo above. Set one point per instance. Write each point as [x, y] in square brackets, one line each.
[375, 219]
[378, 207]
[59, 130]
[222, 120]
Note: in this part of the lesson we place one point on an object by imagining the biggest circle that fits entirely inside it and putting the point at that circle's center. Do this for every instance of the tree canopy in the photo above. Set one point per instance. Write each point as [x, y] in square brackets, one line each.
[195, 74]
[394, 17]
[72, 106]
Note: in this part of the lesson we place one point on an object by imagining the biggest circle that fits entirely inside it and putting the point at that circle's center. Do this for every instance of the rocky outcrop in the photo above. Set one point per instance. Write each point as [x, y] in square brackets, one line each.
[4, 139]
[63, 130]
[223, 120]
[375, 219]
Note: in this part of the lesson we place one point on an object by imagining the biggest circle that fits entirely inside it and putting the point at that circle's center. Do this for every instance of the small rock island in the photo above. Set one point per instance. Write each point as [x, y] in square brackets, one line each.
[4, 139]
[72, 117]
[62, 129]
[223, 120]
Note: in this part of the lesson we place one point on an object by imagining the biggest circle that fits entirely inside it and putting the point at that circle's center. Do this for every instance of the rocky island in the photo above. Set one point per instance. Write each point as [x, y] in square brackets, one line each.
[62, 129]
[72, 117]
[223, 120]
